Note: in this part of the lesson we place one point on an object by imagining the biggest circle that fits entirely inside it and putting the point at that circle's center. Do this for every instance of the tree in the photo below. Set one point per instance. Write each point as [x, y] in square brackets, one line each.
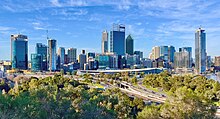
[186, 104]
[150, 112]
[62, 72]
[134, 80]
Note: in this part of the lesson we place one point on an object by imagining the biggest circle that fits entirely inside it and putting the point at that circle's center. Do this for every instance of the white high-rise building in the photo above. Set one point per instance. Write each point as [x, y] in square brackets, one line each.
[52, 56]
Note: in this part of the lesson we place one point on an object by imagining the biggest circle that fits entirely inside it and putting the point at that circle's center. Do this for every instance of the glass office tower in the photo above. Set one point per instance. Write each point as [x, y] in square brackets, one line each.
[52, 56]
[117, 39]
[171, 51]
[42, 49]
[129, 45]
[200, 51]
[164, 52]
[36, 62]
[19, 51]
[61, 55]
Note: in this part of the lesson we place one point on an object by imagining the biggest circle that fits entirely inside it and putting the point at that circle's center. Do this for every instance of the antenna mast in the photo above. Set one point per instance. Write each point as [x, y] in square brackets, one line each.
[47, 35]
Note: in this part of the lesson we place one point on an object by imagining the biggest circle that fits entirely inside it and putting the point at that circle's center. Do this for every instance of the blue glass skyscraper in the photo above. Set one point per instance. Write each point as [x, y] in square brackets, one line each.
[117, 39]
[200, 51]
[171, 51]
[36, 62]
[19, 51]
[42, 50]
[164, 52]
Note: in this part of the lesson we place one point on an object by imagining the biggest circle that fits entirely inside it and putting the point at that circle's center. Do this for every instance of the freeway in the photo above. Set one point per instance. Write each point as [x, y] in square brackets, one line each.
[133, 91]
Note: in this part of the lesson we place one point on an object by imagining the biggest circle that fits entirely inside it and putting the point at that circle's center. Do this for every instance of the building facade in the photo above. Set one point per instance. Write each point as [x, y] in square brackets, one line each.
[117, 39]
[42, 49]
[104, 41]
[52, 56]
[36, 62]
[217, 61]
[182, 60]
[19, 51]
[72, 55]
[139, 53]
[61, 55]
[164, 52]
[107, 61]
[171, 51]
[82, 60]
[189, 50]
[155, 54]
[129, 45]
[200, 51]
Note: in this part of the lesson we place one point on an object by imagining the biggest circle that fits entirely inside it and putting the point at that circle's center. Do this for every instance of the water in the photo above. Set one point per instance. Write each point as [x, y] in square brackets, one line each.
[214, 76]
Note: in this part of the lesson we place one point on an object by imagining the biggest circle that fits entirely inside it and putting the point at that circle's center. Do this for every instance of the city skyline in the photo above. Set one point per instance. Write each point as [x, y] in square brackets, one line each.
[74, 22]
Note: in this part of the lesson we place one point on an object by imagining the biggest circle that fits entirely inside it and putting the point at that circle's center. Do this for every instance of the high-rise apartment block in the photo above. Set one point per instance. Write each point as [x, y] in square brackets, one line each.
[200, 51]
[189, 50]
[52, 56]
[72, 55]
[155, 54]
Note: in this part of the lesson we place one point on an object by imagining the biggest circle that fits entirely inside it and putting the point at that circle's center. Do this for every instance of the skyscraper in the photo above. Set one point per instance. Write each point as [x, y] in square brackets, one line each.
[189, 50]
[61, 55]
[42, 49]
[155, 54]
[104, 41]
[106, 61]
[71, 54]
[36, 62]
[19, 51]
[129, 45]
[117, 39]
[171, 51]
[82, 59]
[52, 44]
[200, 51]
[182, 59]
[139, 53]
[164, 52]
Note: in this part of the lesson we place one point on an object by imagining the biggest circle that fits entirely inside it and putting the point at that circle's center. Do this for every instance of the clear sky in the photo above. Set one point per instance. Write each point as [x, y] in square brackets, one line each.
[79, 23]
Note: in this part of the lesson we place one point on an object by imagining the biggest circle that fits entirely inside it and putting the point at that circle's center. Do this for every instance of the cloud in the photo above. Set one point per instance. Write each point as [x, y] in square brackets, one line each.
[4, 28]
[38, 25]
[81, 12]
[66, 3]
[55, 3]
[9, 8]
[136, 32]
[124, 5]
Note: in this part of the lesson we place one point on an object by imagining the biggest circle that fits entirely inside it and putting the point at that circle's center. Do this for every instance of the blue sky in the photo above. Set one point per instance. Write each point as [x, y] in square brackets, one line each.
[79, 23]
